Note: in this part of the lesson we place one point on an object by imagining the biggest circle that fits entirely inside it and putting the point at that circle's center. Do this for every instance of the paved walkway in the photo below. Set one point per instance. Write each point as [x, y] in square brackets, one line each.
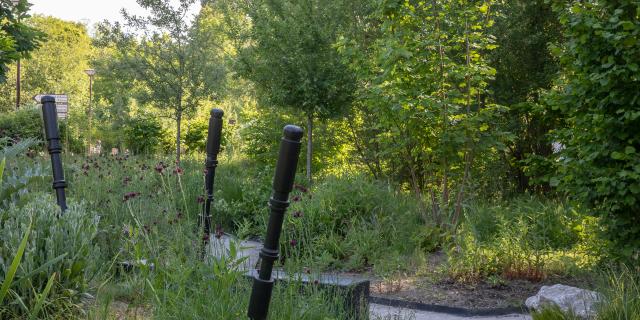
[380, 312]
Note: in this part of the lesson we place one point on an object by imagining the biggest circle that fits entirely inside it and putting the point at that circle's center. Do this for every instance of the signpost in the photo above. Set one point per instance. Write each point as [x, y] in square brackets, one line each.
[62, 103]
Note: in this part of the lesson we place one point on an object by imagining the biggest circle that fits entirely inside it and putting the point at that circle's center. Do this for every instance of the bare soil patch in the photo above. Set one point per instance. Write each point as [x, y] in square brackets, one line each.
[495, 293]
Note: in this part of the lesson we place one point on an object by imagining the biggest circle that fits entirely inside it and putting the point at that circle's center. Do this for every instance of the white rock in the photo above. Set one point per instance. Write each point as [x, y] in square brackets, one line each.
[569, 299]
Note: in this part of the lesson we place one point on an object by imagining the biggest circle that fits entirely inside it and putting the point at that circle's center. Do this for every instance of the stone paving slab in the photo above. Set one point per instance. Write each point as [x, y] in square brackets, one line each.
[250, 250]
[381, 312]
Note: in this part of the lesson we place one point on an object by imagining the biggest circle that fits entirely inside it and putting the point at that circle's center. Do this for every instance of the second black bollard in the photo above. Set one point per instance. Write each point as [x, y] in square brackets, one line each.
[50, 117]
[213, 148]
[282, 186]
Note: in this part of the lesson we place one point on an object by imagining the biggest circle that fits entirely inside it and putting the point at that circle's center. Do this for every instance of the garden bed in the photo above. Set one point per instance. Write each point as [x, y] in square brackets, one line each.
[495, 293]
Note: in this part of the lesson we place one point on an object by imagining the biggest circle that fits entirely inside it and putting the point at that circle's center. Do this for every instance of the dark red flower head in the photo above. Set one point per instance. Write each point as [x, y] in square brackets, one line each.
[298, 214]
[301, 188]
[200, 199]
[130, 195]
[293, 242]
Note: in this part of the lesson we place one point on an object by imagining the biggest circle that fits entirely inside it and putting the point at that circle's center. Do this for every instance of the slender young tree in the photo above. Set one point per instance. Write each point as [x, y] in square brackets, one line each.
[292, 60]
[175, 63]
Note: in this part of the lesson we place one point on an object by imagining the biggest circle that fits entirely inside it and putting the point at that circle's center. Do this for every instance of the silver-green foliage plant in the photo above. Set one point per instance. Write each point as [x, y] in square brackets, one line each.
[16, 182]
[60, 244]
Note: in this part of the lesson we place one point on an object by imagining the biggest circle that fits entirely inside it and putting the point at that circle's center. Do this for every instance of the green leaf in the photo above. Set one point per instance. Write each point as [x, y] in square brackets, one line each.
[42, 297]
[2, 164]
[14, 265]
[629, 150]
[617, 155]
[42, 267]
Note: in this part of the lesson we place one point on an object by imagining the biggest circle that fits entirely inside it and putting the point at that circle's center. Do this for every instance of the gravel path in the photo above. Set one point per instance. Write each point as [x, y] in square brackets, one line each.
[380, 312]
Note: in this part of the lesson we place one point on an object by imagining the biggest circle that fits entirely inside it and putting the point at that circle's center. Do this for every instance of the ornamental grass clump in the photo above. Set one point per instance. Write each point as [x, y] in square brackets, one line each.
[57, 258]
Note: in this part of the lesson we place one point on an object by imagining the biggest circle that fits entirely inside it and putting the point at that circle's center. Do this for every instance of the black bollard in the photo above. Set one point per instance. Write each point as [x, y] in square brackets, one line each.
[213, 148]
[282, 186]
[50, 117]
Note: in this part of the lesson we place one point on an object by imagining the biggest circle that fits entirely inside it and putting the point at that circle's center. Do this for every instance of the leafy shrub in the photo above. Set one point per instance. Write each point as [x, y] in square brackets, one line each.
[143, 135]
[60, 244]
[526, 238]
[601, 164]
[26, 123]
[22, 124]
[20, 175]
[195, 138]
[350, 222]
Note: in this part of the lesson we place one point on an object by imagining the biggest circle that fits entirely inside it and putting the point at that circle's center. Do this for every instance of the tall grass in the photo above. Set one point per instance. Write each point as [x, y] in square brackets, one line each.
[621, 296]
[527, 238]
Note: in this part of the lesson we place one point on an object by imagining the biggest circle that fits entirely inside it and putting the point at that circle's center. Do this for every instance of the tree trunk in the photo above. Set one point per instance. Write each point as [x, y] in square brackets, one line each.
[309, 146]
[178, 122]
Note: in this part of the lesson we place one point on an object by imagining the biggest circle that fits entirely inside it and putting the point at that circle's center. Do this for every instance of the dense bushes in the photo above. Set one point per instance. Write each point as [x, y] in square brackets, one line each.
[601, 163]
[60, 245]
[26, 123]
[144, 135]
[22, 124]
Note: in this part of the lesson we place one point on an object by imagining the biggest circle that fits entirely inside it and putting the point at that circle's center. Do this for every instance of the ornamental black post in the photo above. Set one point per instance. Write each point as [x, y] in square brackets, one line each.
[282, 186]
[50, 117]
[213, 148]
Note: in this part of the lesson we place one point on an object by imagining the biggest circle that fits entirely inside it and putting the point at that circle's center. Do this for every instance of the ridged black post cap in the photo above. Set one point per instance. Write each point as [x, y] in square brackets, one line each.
[292, 132]
[46, 99]
[217, 113]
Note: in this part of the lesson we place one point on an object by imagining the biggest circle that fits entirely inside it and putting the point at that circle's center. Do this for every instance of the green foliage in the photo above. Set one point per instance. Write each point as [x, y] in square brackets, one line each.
[292, 60]
[620, 299]
[423, 118]
[143, 135]
[62, 58]
[23, 124]
[525, 70]
[62, 245]
[621, 296]
[196, 137]
[599, 99]
[344, 222]
[262, 130]
[227, 297]
[17, 39]
[26, 123]
[13, 268]
[525, 239]
[176, 65]
[553, 312]
[290, 57]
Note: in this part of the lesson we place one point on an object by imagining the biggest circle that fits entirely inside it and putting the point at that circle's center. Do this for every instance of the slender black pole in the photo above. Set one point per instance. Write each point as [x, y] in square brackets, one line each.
[282, 186]
[213, 148]
[50, 117]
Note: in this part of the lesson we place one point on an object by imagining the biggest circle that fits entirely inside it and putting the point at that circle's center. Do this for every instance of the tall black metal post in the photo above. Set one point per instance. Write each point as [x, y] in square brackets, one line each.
[282, 186]
[213, 148]
[50, 117]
